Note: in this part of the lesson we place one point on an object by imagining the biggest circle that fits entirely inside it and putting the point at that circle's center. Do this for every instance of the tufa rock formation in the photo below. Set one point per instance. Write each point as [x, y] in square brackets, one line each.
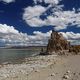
[57, 43]
[74, 49]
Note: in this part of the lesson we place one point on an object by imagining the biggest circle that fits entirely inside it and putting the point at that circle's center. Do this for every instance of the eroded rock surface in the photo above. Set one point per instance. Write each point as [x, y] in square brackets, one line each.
[57, 43]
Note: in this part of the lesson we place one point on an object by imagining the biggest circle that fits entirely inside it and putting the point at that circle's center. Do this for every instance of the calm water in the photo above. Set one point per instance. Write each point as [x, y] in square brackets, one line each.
[15, 55]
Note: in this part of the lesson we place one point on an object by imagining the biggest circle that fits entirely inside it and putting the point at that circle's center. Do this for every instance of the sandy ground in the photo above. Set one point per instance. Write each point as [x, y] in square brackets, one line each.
[43, 68]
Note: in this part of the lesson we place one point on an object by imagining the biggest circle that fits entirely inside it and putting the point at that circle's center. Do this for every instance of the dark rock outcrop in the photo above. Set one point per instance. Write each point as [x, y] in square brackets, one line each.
[74, 49]
[57, 43]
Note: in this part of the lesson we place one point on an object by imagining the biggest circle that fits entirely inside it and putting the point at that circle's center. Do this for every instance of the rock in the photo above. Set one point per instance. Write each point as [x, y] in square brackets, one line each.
[36, 70]
[65, 77]
[53, 74]
[74, 49]
[74, 73]
[68, 71]
[79, 73]
[57, 43]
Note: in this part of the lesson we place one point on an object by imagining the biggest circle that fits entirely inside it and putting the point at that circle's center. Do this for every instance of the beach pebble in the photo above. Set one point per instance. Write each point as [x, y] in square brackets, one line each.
[79, 73]
[36, 70]
[68, 71]
[54, 62]
[5, 75]
[74, 73]
[65, 77]
[53, 74]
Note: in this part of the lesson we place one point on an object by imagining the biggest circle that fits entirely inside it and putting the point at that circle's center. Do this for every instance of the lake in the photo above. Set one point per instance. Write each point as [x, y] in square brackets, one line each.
[16, 55]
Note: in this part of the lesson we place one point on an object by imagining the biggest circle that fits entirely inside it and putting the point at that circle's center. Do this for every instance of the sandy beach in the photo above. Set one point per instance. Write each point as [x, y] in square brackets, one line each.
[50, 67]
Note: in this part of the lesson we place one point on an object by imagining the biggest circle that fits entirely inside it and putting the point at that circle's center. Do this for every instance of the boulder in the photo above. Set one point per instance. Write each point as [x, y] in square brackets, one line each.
[57, 43]
[74, 49]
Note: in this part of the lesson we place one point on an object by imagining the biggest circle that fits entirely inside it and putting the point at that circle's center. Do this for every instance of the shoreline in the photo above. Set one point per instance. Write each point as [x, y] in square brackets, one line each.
[43, 67]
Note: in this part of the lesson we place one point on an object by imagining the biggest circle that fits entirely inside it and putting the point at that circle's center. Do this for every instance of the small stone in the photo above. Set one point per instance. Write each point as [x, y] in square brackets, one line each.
[68, 71]
[53, 74]
[79, 73]
[74, 73]
[54, 62]
[36, 70]
[66, 77]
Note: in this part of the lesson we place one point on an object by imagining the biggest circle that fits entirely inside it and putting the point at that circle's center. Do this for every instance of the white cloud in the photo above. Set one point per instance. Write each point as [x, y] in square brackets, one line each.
[35, 22]
[59, 18]
[40, 38]
[7, 29]
[35, 11]
[10, 36]
[47, 1]
[71, 35]
[31, 15]
[51, 1]
[74, 38]
[8, 1]
[64, 19]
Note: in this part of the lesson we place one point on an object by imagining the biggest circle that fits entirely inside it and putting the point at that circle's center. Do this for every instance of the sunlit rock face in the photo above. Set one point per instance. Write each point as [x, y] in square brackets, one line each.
[57, 43]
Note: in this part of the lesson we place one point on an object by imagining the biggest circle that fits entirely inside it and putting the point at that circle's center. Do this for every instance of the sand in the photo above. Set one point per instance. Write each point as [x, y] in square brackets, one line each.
[51, 67]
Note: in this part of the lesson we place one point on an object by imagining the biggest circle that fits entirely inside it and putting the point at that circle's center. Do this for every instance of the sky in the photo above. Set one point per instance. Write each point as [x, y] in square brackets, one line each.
[29, 22]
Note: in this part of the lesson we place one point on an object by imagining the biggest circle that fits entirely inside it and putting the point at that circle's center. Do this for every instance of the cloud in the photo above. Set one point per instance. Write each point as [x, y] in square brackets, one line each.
[8, 1]
[7, 29]
[47, 1]
[71, 35]
[58, 17]
[64, 19]
[40, 38]
[9, 36]
[74, 38]
[12, 37]
[34, 20]
[31, 15]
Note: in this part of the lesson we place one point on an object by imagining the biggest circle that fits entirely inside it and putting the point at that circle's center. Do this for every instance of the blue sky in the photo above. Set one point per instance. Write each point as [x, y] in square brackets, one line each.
[37, 17]
[11, 14]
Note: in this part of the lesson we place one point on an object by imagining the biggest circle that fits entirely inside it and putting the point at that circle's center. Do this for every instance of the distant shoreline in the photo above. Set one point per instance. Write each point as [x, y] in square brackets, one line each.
[23, 47]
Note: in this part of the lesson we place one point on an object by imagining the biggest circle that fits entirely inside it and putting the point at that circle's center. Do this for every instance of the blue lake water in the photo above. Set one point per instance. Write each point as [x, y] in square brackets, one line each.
[16, 55]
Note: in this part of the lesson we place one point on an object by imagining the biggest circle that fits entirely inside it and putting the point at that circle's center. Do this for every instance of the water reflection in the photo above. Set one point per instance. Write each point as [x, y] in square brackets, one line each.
[15, 55]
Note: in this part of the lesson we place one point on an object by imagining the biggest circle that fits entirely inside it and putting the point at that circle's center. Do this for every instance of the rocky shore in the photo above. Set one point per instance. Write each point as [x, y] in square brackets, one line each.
[57, 44]
[43, 68]
[61, 61]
